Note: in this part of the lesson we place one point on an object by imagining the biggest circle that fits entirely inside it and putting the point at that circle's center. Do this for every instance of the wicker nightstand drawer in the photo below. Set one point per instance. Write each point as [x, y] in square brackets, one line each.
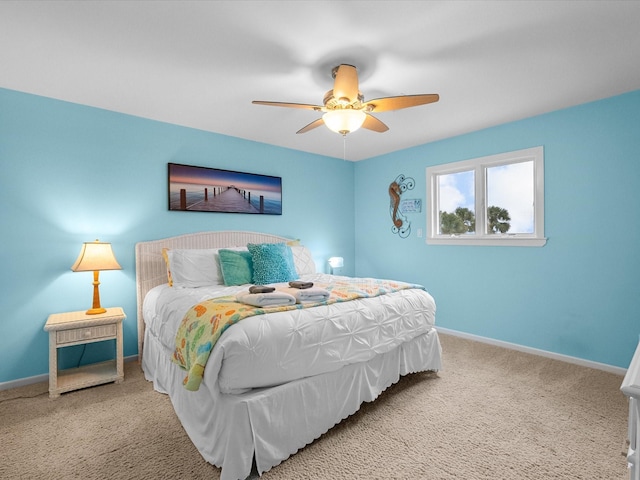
[88, 333]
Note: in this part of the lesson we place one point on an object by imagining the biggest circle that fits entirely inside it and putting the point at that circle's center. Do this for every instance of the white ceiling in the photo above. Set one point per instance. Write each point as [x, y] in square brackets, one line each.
[201, 63]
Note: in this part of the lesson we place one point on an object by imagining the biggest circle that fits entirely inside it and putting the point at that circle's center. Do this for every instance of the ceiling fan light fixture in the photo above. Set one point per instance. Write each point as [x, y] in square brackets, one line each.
[346, 110]
[344, 121]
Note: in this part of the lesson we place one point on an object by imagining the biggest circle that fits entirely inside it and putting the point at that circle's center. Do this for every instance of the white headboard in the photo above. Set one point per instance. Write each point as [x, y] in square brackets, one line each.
[152, 271]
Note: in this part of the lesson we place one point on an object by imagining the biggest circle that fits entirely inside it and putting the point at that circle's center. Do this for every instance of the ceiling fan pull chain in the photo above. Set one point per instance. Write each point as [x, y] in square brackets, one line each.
[344, 148]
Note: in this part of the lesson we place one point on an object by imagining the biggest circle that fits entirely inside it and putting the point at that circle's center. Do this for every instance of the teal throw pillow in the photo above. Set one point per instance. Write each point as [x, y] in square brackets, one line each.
[272, 263]
[236, 266]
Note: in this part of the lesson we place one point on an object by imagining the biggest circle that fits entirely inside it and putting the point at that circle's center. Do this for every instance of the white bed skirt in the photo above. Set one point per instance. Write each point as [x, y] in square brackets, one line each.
[274, 423]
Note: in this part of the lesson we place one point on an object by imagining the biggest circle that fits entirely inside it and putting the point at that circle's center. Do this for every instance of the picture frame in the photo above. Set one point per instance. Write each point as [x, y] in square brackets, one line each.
[205, 189]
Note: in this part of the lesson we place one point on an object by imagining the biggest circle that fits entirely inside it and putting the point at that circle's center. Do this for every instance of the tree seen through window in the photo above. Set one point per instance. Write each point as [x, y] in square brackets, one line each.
[463, 221]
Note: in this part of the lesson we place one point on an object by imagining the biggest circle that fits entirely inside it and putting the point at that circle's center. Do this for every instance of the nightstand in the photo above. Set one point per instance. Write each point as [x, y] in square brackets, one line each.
[78, 328]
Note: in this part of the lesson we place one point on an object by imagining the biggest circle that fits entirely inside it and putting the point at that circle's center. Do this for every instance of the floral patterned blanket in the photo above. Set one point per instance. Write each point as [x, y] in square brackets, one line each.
[205, 322]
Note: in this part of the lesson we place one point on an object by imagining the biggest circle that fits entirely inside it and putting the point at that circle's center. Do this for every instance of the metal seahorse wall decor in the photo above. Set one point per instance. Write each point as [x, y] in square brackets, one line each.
[401, 225]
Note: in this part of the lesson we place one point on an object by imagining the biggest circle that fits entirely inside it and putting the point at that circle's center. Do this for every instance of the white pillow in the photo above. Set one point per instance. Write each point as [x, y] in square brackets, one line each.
[303, 260]
[195, 267]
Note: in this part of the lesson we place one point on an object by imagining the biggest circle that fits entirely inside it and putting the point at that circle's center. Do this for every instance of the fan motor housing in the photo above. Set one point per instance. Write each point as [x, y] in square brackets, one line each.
[332, 103]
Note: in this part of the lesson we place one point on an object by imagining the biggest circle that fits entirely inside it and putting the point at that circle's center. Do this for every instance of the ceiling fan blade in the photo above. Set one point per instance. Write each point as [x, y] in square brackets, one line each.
[289, 105]
[372, 123]
[396, 103]
[311, 126]
[346, 83]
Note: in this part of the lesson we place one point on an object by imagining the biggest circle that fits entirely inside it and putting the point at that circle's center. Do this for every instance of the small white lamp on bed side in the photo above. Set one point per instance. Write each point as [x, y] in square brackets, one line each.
[96, 256]
[336, 262]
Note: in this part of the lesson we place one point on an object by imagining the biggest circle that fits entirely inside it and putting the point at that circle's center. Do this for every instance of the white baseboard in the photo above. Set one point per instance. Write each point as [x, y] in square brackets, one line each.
[535, 351]
[21, 382]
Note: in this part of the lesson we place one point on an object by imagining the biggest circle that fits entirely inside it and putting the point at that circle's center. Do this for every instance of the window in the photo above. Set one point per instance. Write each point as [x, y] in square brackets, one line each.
[496, 200]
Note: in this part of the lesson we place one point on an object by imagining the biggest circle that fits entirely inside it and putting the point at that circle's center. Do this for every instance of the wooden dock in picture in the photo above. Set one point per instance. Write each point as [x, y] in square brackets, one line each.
[230, 200]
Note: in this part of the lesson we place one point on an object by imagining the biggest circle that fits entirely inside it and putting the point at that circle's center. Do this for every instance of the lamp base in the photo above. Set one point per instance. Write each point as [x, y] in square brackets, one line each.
[95, 311]
[96, 308]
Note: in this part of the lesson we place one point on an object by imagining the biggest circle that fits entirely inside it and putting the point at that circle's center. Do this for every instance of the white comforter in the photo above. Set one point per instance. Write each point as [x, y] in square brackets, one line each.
[276, 348]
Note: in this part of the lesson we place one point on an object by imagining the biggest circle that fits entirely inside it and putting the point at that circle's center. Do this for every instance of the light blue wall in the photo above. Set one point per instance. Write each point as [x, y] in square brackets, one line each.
[71, 174]
[578, 295]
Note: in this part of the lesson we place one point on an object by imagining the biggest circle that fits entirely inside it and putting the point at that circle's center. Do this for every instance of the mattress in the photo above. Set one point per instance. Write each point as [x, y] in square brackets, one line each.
[276, 348]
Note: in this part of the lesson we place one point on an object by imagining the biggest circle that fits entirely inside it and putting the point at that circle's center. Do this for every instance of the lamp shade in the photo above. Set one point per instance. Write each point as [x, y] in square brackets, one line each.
[336, 262]
[344, 120]
[96, 256]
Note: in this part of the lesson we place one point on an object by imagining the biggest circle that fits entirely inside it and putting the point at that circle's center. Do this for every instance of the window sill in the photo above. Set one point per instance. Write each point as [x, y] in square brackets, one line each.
[493, 241]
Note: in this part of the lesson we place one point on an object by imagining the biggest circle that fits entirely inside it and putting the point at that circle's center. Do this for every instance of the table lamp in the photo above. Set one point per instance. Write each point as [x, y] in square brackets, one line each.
[96, 256]
[336, 262]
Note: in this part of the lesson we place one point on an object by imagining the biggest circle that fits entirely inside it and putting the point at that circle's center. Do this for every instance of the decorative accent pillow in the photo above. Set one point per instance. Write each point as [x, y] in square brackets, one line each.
[194, 267]
[303, 260]
[236, 266]
[272, 263]
[165, 255]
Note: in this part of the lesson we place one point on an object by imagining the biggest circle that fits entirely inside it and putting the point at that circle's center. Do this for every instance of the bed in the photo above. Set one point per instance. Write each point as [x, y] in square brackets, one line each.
[275, 382]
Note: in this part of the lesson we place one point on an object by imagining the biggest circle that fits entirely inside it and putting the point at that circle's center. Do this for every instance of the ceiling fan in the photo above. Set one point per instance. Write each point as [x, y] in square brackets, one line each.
[345, 109]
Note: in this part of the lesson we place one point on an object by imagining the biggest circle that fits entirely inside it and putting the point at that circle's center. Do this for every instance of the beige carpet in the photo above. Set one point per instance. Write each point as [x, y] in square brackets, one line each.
[490, 414]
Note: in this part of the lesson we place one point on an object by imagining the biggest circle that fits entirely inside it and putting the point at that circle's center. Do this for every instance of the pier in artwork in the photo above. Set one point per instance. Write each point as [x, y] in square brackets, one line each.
[222, 199]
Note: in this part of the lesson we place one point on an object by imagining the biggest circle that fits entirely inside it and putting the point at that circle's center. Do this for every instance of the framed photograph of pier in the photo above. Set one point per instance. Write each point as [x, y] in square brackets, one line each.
[203, 189]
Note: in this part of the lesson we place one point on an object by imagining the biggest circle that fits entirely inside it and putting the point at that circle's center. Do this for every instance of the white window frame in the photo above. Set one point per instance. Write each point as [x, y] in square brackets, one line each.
[479, 166]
